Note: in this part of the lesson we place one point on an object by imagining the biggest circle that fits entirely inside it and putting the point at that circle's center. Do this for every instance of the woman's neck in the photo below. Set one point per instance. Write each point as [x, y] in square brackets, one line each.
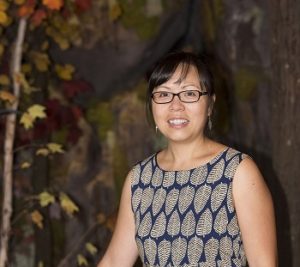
[179, 156]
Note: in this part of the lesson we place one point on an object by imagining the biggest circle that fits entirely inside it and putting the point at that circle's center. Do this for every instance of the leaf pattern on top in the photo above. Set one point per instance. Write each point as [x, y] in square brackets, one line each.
[233, 228]
[198, 175]
[150, 250]
[217, 172]
[159, 226]
[218, 195]
[201, 197]
[231, 153]
[187, 218]
[140, 247]
[231, 167]
[217, 157]
[204, 225]
[188, 224]
[186, 196]
[226, 250]
[145, 225]
[236, 246]
[147, 197]
[135, 175]
[182, 177]
[158, 200]
[171, 200]
[136, 198]
[157, 177]
[221, 221]
[168, 179]
[211, 249]
[229, 199]
[164, 252]
[195, 249]
[137, 219]
[173, 227]
[147, 173]
[179, 246]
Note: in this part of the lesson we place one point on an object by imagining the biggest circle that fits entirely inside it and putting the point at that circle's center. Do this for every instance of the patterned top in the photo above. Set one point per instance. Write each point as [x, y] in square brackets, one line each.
[187, 218]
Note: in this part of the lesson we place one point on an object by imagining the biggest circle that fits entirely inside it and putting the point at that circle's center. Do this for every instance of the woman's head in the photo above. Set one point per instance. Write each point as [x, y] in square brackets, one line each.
[183, 61]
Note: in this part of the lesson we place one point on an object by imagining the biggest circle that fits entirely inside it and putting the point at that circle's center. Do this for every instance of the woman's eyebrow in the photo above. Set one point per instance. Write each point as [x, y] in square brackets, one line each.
[162, 87]
[191, 84]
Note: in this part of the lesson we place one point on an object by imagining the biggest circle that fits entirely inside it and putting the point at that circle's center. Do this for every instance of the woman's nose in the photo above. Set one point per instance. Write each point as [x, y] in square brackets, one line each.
[176, 104]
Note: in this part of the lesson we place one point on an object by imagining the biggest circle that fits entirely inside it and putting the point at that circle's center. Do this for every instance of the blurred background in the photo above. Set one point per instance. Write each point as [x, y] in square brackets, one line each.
[73, 79]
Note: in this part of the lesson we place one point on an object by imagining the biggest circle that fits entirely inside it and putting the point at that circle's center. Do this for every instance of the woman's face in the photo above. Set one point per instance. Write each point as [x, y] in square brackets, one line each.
[179, 121]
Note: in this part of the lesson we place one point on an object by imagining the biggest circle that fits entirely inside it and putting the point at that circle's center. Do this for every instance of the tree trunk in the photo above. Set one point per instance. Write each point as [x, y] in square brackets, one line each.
[285, 123]
[9, 146]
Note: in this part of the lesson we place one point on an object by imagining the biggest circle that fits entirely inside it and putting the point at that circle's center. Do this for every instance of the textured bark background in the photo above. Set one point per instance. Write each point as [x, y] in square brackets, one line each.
[286, 124]
[253, 47]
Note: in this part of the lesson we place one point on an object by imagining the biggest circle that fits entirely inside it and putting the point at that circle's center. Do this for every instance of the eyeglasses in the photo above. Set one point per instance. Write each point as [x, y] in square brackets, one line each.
[188, 96]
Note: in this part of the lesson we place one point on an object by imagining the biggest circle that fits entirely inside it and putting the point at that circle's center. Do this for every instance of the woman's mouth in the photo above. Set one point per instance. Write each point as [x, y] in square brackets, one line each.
[177, 122]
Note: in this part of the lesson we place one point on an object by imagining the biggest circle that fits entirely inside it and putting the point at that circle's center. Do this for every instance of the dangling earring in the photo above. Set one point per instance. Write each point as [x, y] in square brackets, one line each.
[156, 128]
[209, 123]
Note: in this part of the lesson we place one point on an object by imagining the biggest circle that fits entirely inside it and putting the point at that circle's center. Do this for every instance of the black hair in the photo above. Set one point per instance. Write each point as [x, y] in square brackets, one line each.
[167, 66]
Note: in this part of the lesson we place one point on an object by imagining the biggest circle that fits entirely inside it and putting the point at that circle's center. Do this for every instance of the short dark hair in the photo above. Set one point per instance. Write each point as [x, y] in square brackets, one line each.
[167, 66]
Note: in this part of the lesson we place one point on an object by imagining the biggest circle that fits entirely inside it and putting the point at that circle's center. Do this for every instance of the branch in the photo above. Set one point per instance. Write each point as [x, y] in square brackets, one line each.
[10, 130]
[65, 260]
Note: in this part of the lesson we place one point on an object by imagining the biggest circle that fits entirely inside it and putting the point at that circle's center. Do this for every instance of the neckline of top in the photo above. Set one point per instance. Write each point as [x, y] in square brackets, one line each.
[219, 155]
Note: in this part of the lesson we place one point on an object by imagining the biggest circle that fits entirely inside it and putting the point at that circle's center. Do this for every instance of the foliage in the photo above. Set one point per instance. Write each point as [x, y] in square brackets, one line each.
[46, 101]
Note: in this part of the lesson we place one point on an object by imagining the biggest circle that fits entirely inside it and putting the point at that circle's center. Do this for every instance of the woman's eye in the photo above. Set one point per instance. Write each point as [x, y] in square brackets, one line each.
[190, 93]
[163, 94]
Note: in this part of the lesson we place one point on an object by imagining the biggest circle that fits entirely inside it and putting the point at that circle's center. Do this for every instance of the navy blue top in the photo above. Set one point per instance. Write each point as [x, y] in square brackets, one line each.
[187, 218]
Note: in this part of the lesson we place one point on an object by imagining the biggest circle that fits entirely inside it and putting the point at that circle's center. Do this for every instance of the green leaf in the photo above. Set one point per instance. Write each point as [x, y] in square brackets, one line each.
[67, 204]
[46, 198]
[81, 260]
[91, 248]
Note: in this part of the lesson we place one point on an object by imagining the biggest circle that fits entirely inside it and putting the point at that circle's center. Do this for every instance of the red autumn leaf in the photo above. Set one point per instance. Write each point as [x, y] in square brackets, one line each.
[77, 112]
[83, 5]
[26, 9]
[38, 17]
[53, 4]
[73, 88]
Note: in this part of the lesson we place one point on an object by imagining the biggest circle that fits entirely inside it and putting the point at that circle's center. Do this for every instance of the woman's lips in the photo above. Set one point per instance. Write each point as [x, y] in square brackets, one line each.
[178, 123]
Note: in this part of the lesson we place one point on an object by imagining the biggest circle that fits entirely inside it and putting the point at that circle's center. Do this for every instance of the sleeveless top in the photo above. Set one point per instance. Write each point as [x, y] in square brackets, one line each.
[187, 218]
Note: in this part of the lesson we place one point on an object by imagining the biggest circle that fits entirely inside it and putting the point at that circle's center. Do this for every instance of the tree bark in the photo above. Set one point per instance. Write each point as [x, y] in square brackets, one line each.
[8, 147]
[285, 124]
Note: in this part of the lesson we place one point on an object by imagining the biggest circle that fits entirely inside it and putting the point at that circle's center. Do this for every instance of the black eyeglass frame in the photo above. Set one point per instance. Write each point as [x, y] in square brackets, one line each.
[178, 94]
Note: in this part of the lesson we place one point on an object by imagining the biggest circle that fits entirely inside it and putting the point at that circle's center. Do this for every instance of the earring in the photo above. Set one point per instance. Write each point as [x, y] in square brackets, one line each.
[209, 123]
[156, 128]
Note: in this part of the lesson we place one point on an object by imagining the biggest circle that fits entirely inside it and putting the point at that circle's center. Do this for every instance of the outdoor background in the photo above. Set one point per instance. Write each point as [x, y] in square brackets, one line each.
[73, 78]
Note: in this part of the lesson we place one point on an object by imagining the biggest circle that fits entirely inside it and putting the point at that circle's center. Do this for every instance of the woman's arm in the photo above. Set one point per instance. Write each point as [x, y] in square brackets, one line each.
[122, 250]
[255, 212]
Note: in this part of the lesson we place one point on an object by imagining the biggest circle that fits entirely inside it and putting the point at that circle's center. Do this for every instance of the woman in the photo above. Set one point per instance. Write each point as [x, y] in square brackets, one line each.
[196, 202]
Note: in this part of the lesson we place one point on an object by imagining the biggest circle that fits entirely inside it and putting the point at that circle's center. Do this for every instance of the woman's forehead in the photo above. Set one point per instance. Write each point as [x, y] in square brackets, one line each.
[184, 74]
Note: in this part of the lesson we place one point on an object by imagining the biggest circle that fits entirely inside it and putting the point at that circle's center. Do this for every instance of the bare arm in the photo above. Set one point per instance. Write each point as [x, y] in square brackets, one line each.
[255, 212]
[122, 250]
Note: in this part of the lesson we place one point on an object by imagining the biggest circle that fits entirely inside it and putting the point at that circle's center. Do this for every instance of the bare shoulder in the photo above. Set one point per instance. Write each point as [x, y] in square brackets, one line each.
[255, 212]
[248, 175]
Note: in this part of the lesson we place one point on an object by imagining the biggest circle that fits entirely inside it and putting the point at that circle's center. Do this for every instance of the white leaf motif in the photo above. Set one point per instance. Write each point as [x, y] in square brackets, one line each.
[171, 200]
[164, 252]
[204, 225]
[179, 246]
[158, 200]
[217, 172]
[218, 195]
[201, 197]
[173, 227]
[159, 226]
[188, 224]
[186, 196]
